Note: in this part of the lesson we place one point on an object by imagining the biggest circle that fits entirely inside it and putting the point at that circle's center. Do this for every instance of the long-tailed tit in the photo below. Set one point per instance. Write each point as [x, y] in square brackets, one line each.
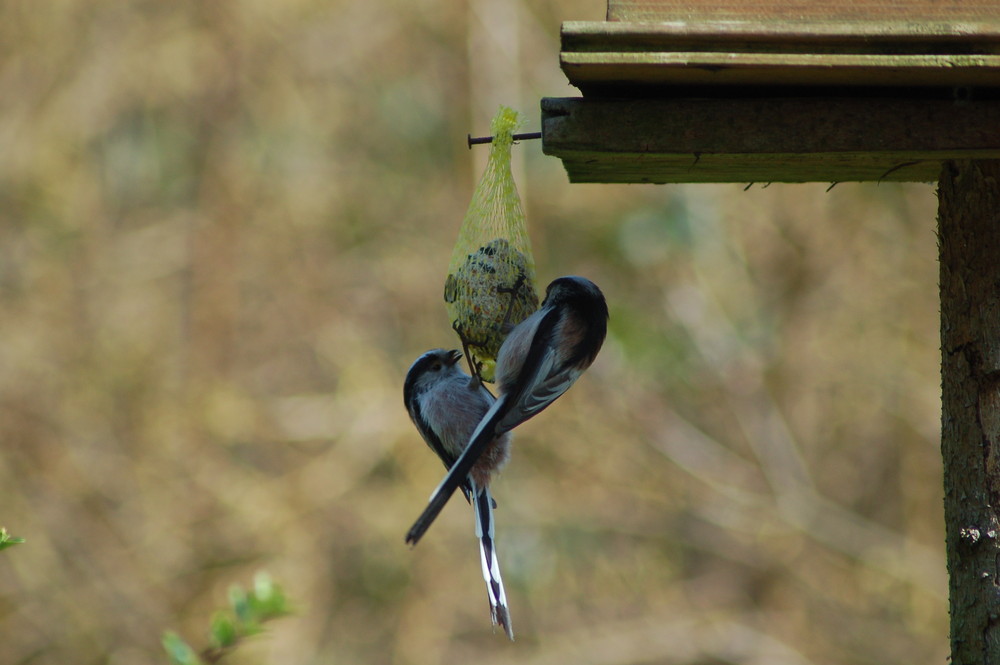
[540, 359]
[446, 405]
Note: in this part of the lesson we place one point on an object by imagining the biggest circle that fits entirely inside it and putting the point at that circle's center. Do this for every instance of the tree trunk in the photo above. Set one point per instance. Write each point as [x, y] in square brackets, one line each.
[969, 247]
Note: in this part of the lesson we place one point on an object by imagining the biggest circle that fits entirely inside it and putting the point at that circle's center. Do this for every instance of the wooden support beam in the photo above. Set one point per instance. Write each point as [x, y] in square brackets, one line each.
[969, 249]
[765, 140]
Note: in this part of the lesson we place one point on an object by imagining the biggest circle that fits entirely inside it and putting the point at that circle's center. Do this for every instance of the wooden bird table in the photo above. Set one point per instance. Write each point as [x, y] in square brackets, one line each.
[799, 91]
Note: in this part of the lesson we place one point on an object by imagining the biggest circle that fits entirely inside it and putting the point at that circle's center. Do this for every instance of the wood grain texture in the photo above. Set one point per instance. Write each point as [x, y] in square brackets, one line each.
[914, 11]
[604, 73]
[757, 34]
[969, 244]
[765, 140]
[604, 58]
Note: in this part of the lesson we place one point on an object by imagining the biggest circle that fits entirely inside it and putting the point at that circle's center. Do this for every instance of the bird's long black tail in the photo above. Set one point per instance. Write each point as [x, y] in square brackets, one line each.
[483, 505]
[482, 435]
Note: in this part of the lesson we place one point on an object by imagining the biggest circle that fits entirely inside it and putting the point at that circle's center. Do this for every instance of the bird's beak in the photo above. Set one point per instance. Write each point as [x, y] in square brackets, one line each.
[454, 356]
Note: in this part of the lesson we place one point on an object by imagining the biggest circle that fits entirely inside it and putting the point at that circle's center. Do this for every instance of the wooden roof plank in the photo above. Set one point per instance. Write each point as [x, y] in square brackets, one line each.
[602, 57]
[802, 37]
[609, 70]
[789, 11]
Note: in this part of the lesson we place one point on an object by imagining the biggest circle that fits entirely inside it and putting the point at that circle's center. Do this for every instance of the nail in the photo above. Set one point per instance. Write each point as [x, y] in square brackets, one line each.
[489, 139]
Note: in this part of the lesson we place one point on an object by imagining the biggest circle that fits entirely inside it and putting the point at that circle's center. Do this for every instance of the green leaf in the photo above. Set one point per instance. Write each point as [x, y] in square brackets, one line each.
[178, 650]
[245, 616]
[263, 586]
[267, 599]
[223, 630]
[7, 540]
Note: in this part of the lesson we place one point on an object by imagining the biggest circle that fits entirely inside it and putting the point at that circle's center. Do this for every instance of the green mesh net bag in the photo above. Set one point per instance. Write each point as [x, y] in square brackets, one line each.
[491, 278]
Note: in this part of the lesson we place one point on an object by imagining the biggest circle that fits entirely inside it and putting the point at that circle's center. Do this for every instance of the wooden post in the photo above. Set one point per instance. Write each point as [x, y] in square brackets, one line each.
[969, 239]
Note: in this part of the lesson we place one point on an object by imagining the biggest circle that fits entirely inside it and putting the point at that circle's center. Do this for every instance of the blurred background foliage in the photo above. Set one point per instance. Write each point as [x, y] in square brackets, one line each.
[224, 228]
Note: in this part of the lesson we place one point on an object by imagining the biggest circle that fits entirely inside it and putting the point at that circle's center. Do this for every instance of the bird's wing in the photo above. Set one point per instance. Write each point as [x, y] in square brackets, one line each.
[458, 474]
[543, 376]
[539, 390]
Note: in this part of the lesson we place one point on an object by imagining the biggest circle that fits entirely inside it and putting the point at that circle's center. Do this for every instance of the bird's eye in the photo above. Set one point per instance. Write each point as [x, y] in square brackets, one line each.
[435, 367]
